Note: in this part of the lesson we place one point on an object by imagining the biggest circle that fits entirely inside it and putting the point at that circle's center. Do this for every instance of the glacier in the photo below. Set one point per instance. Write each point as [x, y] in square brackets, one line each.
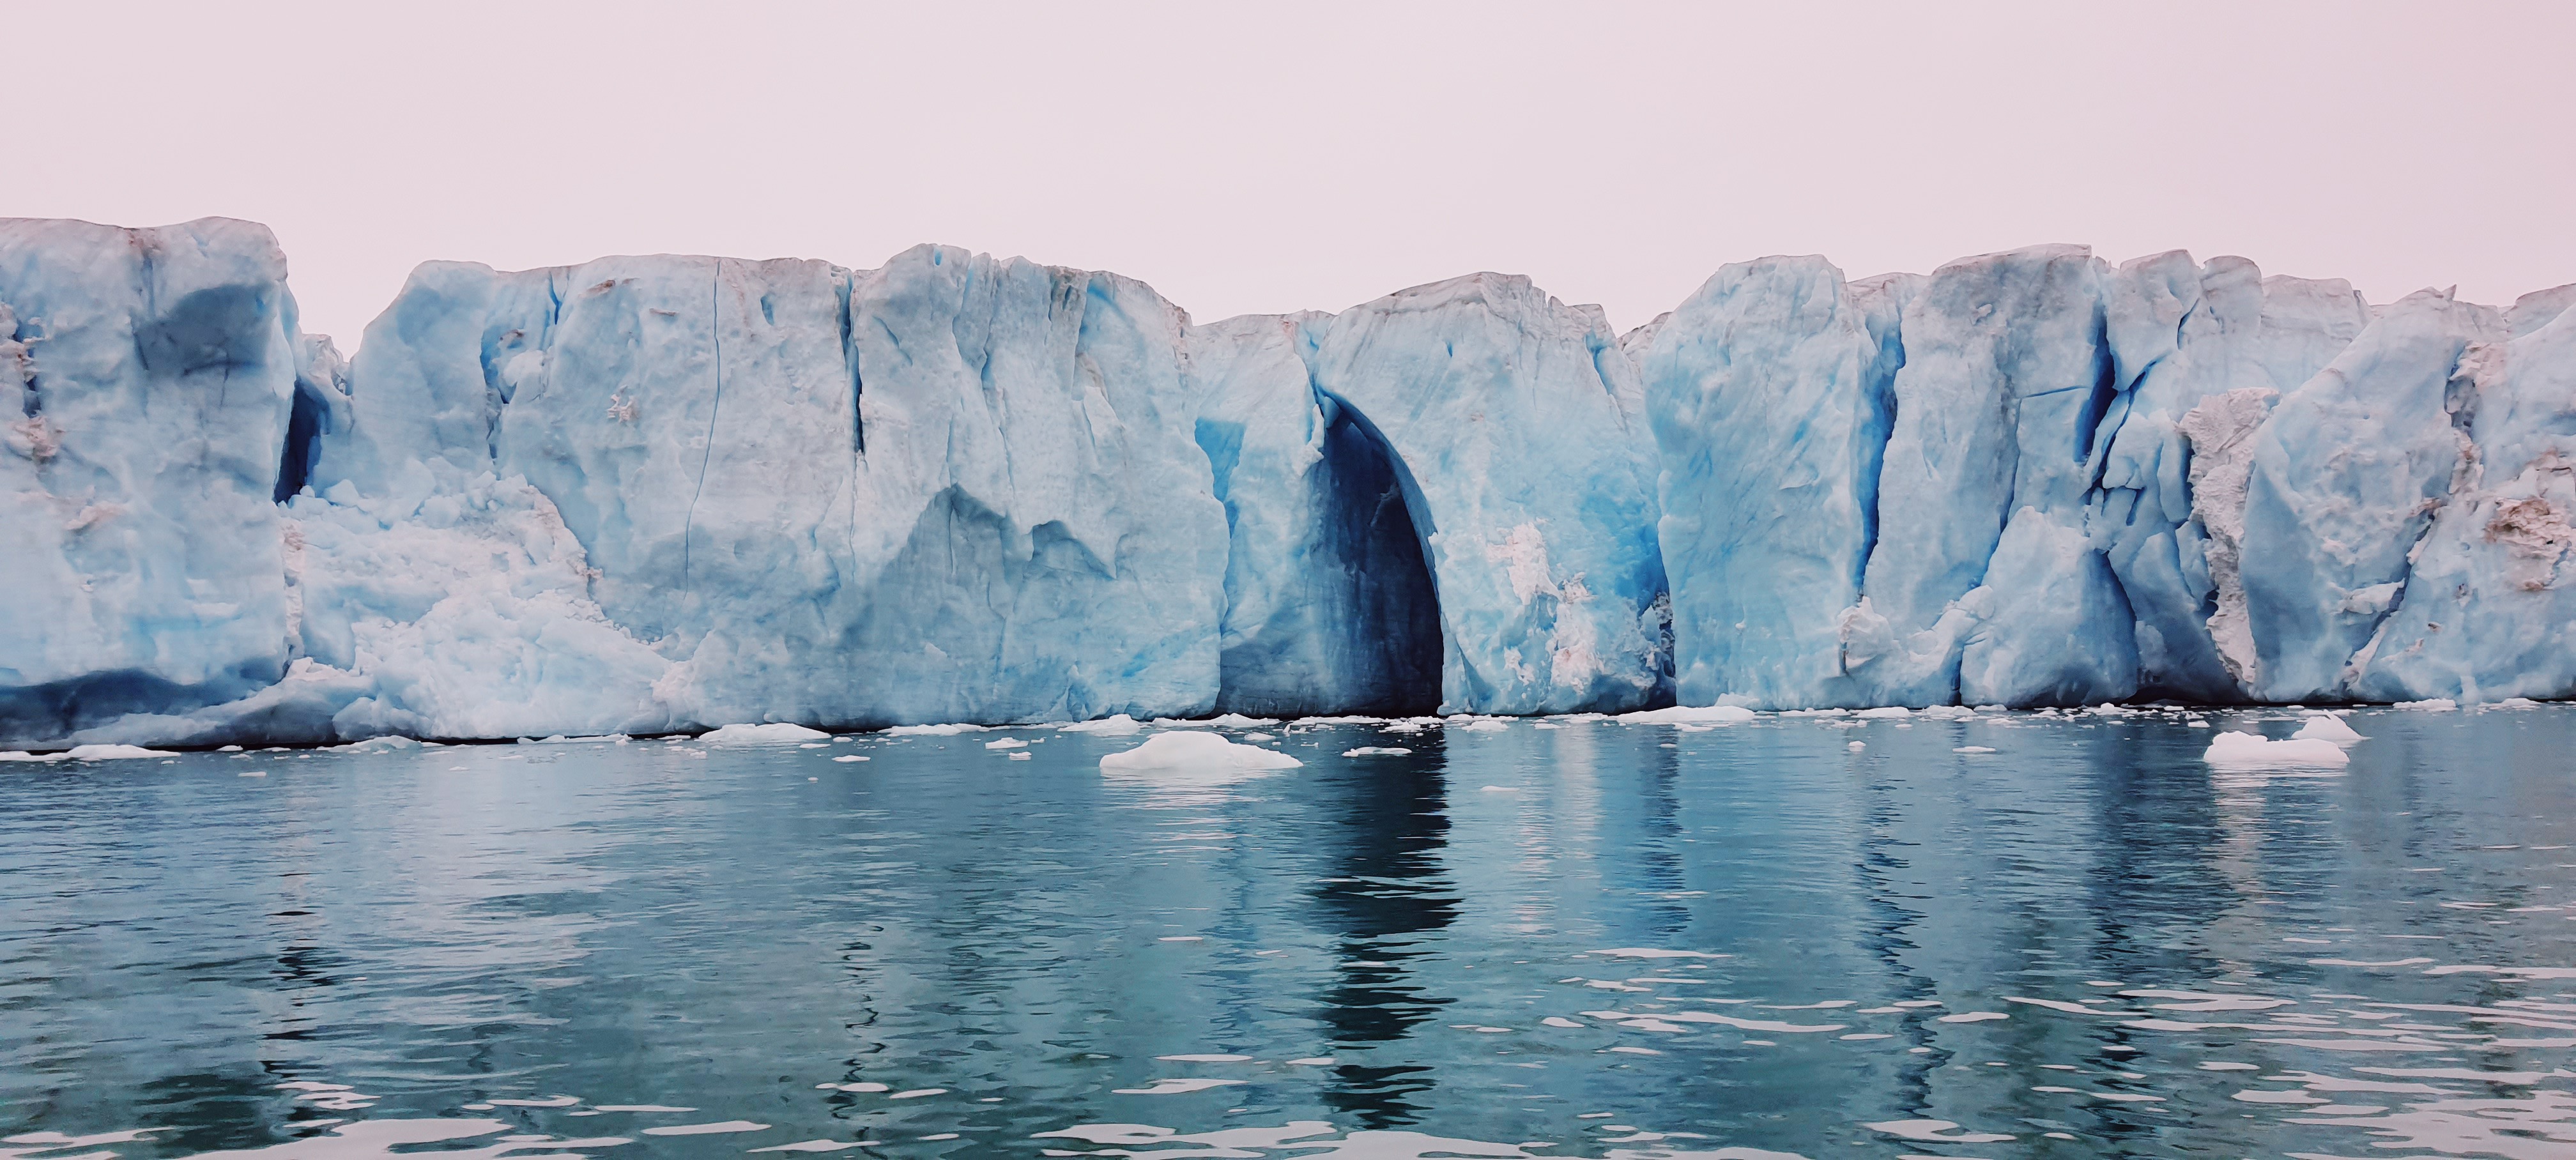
[673, 493]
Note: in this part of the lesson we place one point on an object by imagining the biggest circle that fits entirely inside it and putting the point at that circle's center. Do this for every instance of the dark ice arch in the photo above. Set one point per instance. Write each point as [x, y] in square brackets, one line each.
[1380, 646]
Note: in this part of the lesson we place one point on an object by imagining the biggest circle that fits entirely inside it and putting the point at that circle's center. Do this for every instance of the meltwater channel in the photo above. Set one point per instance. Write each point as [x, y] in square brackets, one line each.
[1560, 938]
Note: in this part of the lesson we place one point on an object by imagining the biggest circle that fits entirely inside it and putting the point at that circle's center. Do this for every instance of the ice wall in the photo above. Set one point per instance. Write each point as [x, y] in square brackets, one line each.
[146, 378]
[1772, 408]
[653, 493]
[952, 488]
[2087, 492]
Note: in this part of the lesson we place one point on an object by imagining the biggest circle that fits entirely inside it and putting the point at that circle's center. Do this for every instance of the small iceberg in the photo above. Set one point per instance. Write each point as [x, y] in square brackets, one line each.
[778, 733]
[1688, 715]
[1186, 750]
[2252, 749]
[1378, 751]
[1118, 726]
[2326, 727]
[930, 730]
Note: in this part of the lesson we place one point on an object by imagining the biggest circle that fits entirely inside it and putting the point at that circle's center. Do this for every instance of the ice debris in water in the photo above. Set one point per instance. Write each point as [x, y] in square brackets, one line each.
[948, 730]
[776, 733]
[2249, 749]
[1377, 751]
[88, 753]
[1118, 725]
[1185, 750]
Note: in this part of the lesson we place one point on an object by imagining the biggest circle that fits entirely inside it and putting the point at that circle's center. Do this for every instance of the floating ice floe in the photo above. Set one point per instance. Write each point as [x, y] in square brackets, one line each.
[932, 730]
[89, 753]
[1378, 751]
[776, 733]
[1120, 725]
[2326, 727]
[1007, 743]
[2243, 749]
[1688, 715]
[2431, 704]
[1184, 750]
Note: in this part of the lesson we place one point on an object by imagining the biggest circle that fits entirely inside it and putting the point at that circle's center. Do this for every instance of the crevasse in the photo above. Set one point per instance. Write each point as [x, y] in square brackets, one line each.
[666, 493]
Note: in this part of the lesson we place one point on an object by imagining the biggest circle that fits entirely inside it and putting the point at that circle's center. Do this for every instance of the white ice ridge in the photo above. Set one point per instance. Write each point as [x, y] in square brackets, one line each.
[671, 494]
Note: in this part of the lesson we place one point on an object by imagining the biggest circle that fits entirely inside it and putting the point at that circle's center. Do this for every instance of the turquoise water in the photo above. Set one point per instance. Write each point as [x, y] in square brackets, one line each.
[1588, 939]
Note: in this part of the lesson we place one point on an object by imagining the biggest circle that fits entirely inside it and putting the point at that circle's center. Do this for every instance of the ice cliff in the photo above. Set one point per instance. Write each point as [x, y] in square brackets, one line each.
[655, 493]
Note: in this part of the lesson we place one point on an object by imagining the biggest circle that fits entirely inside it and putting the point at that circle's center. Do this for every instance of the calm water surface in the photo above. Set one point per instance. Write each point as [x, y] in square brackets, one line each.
[1560, 939]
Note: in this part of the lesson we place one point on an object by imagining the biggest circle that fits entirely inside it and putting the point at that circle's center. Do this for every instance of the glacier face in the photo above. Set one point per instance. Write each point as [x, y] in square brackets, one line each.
[150, 374]
[656, 493]
[1030, 537]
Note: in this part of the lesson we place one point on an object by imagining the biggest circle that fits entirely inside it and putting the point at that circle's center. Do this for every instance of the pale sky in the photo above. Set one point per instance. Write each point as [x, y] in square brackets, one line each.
[1272, 157]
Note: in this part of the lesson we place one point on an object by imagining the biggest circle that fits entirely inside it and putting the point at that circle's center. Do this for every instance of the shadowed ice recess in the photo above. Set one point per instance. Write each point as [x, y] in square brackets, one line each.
[1736, 937]
[669, 493]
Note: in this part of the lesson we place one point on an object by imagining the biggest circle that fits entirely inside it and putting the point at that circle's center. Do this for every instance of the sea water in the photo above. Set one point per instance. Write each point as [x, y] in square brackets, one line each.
[1825, 936]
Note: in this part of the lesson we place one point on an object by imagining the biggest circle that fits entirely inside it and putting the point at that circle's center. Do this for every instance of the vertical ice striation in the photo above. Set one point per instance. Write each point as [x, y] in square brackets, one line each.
[2199, 353]
[1983, 584]
[1770, 417]
[148, 378]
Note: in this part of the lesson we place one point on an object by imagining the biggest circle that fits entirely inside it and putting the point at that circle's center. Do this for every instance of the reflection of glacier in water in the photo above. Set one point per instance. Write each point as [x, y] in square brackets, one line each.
[1756, 942]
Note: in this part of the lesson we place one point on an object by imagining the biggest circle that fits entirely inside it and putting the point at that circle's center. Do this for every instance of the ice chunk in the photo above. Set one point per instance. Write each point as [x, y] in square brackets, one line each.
[1688, 715]
[2252, 749]
[1007, 743]
[2326, 727]
[1377, 751]
[950, 729]
[774, 733]
[1115, 725]
[1196, 751]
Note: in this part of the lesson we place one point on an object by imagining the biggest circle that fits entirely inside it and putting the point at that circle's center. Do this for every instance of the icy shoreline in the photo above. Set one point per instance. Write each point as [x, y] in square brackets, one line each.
[2319, 723]
[657, 494]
